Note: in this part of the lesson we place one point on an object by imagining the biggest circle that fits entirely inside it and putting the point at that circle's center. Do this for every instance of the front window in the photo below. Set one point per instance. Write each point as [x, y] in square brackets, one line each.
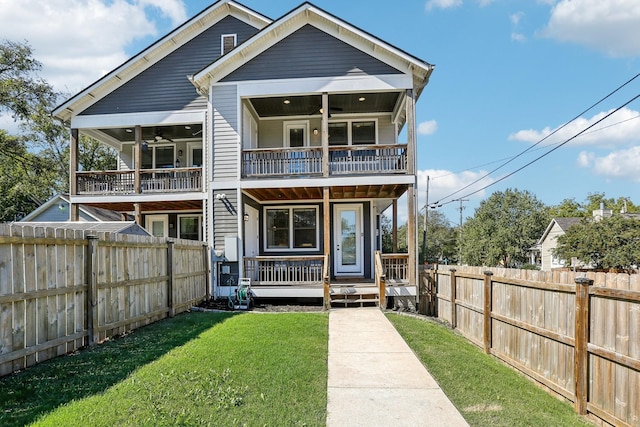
[353, 132]
[291, 228]
[158, 157]
[190, 227]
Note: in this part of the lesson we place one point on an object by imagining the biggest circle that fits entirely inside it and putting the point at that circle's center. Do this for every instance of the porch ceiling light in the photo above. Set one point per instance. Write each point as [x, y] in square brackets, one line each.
[286, 101]
[362, 99]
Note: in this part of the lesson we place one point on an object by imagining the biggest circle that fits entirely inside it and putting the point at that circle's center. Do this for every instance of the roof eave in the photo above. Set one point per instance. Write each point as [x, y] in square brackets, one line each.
[421, 70]
[149, 56]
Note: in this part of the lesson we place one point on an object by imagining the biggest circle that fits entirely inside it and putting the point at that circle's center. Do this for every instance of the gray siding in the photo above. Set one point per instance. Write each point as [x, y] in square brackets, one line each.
[225, 216]
[225, 133]
[164, 86]
[310, 52]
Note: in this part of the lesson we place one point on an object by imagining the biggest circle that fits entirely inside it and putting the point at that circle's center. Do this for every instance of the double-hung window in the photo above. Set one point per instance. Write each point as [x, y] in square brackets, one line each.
[353, 132]
[291, 228]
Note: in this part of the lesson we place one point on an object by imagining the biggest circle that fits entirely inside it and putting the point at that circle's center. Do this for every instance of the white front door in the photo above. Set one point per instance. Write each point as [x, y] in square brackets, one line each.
[348, 240]
[157, 225]
[251, 232]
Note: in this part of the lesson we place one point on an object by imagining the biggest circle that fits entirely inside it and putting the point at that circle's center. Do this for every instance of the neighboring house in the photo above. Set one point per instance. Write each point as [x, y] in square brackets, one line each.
[558, 227]
[56, 209]
[117, 227]
[275, 141]
[548, 242]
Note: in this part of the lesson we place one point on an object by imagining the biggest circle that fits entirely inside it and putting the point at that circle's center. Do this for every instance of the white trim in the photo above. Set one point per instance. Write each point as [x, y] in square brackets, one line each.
[222, 37]
[318, 182]
[158, 51]
[293, 21]
[200, 217]
[297, 124]
[291, 247]
[358, 268]
[150, 218]
[141, 198]
[318, 85]
[349, 123]
[155, 118]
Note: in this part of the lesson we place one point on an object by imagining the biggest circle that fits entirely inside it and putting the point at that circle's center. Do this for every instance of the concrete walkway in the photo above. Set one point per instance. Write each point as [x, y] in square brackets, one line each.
[376, 380]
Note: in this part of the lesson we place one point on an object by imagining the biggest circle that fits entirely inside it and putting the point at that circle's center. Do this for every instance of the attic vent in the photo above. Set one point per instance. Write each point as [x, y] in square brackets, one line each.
[228, 42]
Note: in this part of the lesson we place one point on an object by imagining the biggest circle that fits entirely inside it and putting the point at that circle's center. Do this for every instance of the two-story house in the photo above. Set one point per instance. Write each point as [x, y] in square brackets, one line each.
[275, 141]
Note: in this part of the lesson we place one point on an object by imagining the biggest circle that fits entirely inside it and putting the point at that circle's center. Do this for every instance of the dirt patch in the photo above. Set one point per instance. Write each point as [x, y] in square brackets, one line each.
[273, 306]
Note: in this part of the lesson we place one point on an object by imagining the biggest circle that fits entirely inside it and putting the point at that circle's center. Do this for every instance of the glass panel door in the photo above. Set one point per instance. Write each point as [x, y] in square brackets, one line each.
[348, 239]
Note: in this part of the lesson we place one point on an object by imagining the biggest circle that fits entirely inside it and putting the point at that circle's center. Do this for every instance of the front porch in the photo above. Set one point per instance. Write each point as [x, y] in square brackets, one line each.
[309, 277]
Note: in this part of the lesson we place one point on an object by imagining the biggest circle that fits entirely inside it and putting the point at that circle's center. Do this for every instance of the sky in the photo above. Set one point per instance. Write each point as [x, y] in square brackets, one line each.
[509, 75]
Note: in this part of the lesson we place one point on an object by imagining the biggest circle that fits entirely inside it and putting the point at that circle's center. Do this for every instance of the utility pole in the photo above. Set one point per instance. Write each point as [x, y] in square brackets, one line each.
[424, 228]
[460, 228]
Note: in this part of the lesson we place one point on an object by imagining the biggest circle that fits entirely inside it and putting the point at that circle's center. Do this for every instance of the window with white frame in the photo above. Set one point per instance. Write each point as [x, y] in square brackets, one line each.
[353, 132]
[157, 157]
[228, 42]
[190, 227]
[288, 228]
[296, 134]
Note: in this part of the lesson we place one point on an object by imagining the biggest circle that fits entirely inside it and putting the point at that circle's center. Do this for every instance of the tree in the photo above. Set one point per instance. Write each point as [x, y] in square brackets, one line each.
[21, 91]
[441, 239]
[569, 208]
[611, 243]
[504, 227]
[25, 179]
[35, 164]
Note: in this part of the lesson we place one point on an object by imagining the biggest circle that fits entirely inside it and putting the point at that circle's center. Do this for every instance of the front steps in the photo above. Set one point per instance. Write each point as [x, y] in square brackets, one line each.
[354, 294]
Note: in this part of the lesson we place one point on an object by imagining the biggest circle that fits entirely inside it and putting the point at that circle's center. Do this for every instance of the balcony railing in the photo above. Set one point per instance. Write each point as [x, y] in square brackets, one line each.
[307, 162]
[396, 267]
[151, 181]
[286, 270]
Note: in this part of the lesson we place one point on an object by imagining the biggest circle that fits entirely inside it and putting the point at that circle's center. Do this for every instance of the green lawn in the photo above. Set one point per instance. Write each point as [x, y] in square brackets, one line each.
[486, 392]
[196, 369]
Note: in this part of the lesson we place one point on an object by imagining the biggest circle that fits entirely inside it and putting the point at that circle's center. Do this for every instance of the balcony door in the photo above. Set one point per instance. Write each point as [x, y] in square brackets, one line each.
[157, 225]
[348, 252]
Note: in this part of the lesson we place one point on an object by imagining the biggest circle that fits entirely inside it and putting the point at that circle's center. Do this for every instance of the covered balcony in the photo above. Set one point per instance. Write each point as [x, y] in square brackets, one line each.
[170, 180]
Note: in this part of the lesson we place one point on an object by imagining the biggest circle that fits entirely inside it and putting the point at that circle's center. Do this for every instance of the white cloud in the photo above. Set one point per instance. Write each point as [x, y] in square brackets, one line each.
[518, 37]
[428, 128]
[623, 164]
[611, 26]
[515, 18]
[442, 183]
[621, 128]
[78, 41]
[442, 4]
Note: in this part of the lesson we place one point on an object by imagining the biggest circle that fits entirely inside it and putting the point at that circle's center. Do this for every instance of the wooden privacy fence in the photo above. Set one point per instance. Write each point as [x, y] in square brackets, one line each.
[578, 334]
[63, 289]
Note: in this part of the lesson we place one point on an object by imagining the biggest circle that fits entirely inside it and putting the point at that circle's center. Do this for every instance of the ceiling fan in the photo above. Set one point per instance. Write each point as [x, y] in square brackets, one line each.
[319, 110]
[158, 137]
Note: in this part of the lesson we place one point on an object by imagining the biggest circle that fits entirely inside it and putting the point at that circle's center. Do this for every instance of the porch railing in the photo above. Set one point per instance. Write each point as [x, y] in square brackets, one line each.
[282, 162]
[368, 159]
[396, 267]
[151, 181]
[381, 279]
[343, 160]
[286, 270]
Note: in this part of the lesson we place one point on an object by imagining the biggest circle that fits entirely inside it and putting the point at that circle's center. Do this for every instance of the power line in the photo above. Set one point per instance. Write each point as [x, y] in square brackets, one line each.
[550, 151]
[546, 137]
[542, 147]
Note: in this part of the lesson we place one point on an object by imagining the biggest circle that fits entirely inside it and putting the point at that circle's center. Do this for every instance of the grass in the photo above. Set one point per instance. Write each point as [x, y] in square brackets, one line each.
[195, 369]
[486, 392]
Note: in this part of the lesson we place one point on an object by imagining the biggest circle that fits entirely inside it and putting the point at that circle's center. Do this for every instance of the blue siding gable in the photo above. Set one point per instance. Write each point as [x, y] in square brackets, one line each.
[164, 86]
[310, 52]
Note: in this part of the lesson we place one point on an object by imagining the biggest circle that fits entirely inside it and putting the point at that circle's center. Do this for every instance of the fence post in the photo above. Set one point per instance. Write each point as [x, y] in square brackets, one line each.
[327, 292]
[170, 277]
[434, 291]
[205, 264]
[581, 354]
[488, 308]
[454, 319]
[91, 301]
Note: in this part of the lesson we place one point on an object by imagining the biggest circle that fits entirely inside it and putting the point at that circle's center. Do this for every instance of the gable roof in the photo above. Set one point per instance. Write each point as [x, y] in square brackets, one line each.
[563, 223]
[156, 51]
[119, 227]
[97, 214]
[304, 14]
